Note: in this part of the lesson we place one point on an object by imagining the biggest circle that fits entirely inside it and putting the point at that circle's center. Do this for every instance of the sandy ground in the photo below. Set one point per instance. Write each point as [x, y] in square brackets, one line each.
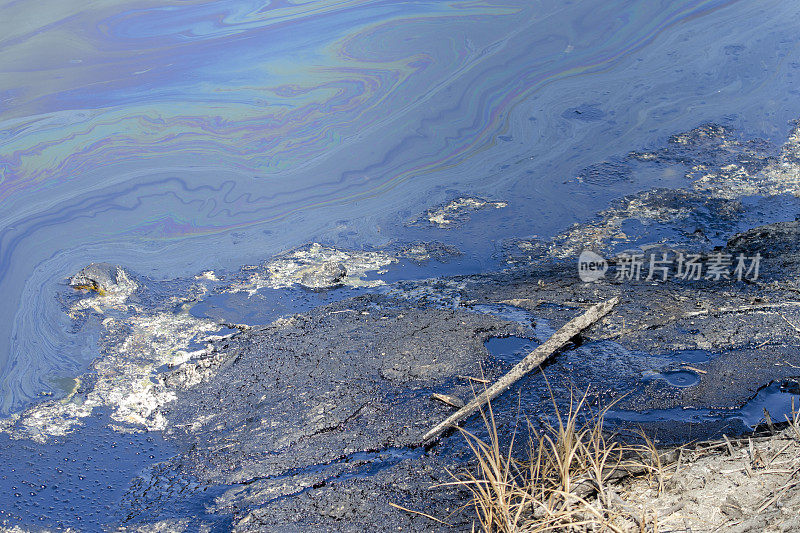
[747, 484]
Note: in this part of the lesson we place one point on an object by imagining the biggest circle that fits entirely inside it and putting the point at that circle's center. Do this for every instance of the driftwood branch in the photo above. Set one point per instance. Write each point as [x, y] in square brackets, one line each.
[765, 307]
[531, 361]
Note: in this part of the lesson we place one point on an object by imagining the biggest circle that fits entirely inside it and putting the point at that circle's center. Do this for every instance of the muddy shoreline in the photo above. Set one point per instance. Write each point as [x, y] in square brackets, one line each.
[314, 422]
[309, 415]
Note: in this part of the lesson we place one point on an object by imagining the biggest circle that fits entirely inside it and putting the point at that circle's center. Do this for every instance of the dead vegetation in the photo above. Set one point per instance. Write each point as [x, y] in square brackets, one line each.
[576, 477]
[568, 482]
[748, 484]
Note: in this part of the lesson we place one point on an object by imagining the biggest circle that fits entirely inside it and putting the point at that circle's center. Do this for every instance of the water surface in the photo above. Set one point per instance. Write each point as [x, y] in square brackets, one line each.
[175, 137]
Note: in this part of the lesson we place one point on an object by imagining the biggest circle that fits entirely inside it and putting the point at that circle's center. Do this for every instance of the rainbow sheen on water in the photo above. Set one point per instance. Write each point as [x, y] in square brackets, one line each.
[175, 137]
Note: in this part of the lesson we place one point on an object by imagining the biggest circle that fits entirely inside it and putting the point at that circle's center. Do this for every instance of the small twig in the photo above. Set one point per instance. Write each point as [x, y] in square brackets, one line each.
[452, 401]
[768, 419]
[777, 496]
[472, 378]
[794, 327]
[742, 309]
[698, 370]
[728, 442]
[780, 452]
[531, 361]
[412, 511]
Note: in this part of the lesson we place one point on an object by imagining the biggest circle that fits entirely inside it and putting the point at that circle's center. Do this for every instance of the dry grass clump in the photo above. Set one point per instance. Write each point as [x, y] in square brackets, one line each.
[566, 483]
[794, 422]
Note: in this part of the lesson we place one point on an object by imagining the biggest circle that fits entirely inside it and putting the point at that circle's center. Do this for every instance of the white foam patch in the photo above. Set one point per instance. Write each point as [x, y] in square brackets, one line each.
[729, 182]
[295, 267]
[452, 212]
[113, 297]
[126, 377]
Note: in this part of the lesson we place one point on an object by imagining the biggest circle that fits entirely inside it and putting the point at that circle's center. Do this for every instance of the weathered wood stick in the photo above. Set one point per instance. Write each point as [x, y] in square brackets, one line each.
[531, 361]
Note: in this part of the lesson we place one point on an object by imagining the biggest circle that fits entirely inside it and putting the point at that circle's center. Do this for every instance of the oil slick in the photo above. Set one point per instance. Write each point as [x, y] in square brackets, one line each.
[138, 341]
[176, 137]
